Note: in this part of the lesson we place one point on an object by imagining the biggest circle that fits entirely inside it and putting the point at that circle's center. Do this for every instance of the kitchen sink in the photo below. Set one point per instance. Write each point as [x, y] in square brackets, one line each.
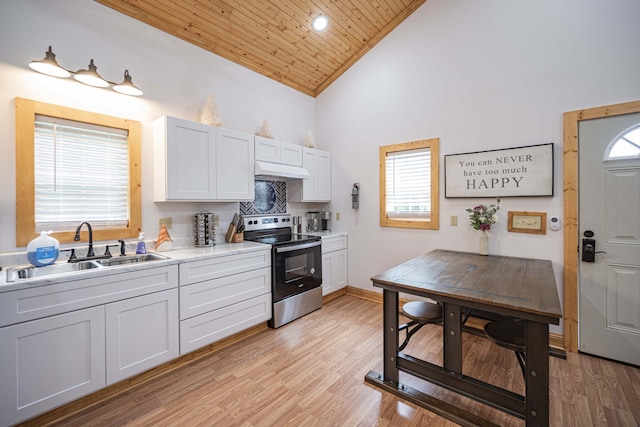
[130, 259]
[49, 270]
[31, 272]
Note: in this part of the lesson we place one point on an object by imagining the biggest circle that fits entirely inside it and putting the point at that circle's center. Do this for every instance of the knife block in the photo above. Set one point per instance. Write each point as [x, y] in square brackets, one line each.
[231, 232]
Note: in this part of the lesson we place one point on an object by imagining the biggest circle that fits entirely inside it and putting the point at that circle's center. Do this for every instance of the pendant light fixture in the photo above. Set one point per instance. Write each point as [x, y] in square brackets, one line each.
[127, 87]
[90, 76]
[49, 66]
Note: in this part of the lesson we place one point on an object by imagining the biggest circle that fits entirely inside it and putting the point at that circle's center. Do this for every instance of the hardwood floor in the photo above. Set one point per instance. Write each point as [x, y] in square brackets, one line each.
[311, 373]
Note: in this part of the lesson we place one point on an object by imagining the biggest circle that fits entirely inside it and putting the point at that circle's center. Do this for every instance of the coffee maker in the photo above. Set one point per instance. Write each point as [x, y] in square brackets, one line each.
[325, 218]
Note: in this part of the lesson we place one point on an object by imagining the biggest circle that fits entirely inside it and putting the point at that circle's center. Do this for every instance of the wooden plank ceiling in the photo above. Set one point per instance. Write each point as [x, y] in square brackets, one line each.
[274, 37]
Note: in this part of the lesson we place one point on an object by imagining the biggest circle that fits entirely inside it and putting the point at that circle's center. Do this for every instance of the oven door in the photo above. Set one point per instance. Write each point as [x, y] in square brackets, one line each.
[296, 269]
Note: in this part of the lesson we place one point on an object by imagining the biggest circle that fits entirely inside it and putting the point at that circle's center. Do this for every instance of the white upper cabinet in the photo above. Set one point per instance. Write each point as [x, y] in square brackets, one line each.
[234, 166]
[316, 188]
[197, 162]
[273, 151]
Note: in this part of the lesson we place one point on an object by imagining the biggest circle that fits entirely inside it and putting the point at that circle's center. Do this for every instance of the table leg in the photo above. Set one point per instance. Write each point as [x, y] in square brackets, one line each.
[537, 369]
[390, 324]
[452, 338]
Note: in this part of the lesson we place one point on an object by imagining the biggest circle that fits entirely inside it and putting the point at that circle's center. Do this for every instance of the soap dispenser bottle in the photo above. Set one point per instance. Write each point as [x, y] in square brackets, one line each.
[141, 248]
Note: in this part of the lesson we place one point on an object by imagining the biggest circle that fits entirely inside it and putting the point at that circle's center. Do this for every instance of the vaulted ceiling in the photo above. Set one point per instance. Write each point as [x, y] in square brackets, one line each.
[274, 37]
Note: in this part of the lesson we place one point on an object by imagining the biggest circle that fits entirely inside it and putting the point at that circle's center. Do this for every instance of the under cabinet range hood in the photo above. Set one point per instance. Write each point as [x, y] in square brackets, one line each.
[277, 170]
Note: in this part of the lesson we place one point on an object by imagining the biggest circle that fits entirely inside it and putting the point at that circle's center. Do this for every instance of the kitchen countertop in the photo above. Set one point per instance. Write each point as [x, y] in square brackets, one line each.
[175, 256]
[327, 233]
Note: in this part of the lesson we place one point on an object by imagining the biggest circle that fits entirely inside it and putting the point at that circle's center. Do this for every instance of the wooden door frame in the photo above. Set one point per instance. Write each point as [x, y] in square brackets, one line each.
[571, 189]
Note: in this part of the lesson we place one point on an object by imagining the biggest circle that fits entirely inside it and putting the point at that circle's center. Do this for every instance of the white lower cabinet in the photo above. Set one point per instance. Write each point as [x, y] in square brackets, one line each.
[142, 333]
[223, 296]
[62, 341]
[48, 362]
[334, 263]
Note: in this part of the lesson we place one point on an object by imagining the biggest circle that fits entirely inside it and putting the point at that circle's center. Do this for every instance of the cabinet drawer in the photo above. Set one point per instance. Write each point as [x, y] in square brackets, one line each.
[334, 243]
[213, 268]
[213, 294]
[33, 303]
[218, 324]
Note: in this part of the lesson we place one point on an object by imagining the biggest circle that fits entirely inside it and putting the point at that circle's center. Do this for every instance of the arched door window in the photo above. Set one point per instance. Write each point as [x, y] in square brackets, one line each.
[624, 146]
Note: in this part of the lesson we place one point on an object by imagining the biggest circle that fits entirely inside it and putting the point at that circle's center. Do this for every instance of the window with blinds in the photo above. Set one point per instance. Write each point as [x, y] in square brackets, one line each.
[409, 184]
[81, 173]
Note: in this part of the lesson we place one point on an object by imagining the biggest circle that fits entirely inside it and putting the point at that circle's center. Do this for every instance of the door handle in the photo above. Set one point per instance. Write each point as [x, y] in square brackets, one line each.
[588, 250]
[589, 247]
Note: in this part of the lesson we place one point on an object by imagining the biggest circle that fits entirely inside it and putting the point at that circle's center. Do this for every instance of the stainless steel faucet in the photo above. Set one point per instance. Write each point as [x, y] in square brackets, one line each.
[76, 238]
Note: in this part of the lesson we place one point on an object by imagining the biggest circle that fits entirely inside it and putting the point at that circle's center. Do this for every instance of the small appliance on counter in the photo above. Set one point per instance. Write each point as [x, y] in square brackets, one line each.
[313, 222]
[325, 218]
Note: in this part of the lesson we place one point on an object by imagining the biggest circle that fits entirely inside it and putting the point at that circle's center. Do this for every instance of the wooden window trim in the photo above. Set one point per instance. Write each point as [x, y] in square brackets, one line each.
[433, 223]
[26, 111]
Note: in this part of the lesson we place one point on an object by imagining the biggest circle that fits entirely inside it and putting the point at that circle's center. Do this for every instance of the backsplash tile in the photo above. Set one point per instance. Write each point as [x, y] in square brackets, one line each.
[271, 198]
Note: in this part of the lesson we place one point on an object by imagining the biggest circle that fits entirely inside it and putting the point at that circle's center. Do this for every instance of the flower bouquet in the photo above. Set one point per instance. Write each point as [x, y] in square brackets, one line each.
[483, 217]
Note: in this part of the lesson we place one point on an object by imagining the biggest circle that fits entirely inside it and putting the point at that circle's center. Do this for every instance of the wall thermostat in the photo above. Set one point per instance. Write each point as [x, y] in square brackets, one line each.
[554, 223]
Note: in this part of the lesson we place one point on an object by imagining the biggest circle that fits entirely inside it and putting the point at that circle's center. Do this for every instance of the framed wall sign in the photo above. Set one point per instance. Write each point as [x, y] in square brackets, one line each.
[517, 172]
[527, 222]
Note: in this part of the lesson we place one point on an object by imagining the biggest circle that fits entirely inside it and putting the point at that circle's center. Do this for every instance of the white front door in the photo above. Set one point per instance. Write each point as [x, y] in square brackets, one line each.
[609, 214]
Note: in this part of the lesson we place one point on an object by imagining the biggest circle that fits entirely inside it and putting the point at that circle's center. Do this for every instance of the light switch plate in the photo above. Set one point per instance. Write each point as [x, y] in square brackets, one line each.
[166, 221]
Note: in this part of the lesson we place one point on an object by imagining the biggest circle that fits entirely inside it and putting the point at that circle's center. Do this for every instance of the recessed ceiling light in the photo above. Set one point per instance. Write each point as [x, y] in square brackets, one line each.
[320, 22]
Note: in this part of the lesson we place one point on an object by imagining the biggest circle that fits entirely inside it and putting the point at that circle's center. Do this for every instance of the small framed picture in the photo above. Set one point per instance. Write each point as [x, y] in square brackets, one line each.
[528, 222]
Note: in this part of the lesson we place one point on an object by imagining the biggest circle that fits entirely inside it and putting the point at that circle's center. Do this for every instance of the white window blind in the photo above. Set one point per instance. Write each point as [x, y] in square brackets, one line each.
[81, 174]
[408, 184]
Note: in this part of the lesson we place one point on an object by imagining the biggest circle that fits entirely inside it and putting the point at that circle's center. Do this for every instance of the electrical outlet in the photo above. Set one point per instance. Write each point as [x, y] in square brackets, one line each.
[337, 216]
[454, 220]
[166, 221]
[216, 220]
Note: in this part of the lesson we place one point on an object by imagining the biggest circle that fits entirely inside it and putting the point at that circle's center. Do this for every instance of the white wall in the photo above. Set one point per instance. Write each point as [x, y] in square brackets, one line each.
[479, 75]
[176, 78]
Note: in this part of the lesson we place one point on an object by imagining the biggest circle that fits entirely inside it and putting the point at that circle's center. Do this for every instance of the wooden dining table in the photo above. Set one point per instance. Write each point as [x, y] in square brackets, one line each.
[520, 288]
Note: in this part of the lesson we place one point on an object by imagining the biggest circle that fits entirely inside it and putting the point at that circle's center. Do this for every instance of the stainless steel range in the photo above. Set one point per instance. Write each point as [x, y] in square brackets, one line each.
[296, 266]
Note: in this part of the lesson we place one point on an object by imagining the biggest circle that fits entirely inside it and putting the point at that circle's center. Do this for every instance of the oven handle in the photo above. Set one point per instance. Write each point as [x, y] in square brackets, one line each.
[290, 248]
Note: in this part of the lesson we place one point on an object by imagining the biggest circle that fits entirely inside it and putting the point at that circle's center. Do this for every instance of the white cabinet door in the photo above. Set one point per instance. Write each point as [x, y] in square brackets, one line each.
[141, 333]
[234, 166]
[327, 274]
[339, 269]
[184, 160]
[267, 150]
[323, 176]
[290, 154]
[47, 362]
[334, 271]
[316, 188]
